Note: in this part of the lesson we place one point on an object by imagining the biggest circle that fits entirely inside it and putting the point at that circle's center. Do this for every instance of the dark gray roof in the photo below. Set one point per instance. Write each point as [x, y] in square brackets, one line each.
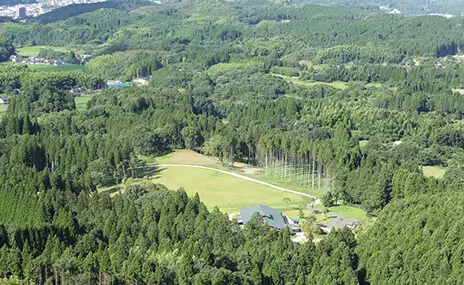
[272, 217]
[339, 223]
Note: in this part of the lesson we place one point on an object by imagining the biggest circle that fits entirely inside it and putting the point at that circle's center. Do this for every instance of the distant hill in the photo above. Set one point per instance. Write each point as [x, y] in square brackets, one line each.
[16, 2]
[73, 10]
[455, 7]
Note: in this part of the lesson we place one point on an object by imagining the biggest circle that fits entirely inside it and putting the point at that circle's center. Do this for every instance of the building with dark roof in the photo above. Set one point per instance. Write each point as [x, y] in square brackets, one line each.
[21, 13]
[272, 217]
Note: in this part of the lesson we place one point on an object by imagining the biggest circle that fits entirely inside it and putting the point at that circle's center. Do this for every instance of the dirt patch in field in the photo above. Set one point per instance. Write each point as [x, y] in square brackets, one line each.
[250, 170]
[190, 157]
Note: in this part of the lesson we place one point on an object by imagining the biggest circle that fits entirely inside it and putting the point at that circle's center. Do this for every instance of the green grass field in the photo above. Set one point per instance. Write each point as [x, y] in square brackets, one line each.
[3, 109]
[81, 103]
[230, 193]
[183, 156]
[226, 192]
[53, 68]
[34, 50]
[434, 171]
[219, 68]
[363, 143]
[374, 84]
[290, 184]
[348, 212]
[336, 84]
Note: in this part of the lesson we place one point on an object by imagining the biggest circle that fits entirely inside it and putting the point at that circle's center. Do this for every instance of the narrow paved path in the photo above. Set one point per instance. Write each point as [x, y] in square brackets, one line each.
[317, 201]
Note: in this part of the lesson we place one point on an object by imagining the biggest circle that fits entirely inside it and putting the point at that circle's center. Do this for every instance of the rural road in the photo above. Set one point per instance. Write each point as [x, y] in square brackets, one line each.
[317, 201]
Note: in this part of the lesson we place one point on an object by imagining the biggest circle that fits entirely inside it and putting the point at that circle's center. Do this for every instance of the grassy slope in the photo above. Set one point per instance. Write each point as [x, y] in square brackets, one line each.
[175, 178]
[224, 191]
[293, 185]
[349, 212]
[184, 156]
[81, 103]
[434, 171]
[34, 50]
[336, 84]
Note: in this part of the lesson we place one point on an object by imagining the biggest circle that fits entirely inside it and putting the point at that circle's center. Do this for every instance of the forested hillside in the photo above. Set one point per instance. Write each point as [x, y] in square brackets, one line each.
[350, 102]
[454, 7]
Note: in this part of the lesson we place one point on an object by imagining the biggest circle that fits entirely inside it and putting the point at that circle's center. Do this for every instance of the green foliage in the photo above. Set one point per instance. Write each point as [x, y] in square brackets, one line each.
[125, 65]
[268, 85]
[405, 239]
[6, 49]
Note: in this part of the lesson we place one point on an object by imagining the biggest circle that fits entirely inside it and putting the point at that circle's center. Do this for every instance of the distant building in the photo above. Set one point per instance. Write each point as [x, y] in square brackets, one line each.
[272, 217]
[141, 80]
[339, 223]
[4, 100]
[21, 13]
[15, 58]
[77, 90]
[118, 83]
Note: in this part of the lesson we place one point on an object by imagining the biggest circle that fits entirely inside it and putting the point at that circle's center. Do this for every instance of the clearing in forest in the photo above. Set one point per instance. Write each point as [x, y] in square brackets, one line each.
[81, 103]
[226, 192]
[184, 156]
[230, 193]
[434, 171]
[336, 84]
[34, 50]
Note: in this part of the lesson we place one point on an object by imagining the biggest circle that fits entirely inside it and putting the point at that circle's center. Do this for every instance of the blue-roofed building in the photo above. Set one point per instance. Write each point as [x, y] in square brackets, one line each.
[272, 217]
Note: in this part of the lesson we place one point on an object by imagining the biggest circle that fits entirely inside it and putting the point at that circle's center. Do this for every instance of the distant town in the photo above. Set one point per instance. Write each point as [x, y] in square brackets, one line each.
[23, 11]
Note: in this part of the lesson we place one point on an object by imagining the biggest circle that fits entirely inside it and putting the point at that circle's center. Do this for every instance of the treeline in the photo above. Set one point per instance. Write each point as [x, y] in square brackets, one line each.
[69, 11]
[128, 65]
[67, 57]
[6, 49]
[265, 30]
[402, 246]
[152, 235]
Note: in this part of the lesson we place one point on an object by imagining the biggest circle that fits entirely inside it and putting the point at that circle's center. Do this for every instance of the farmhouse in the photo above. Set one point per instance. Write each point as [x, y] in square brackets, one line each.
[272, 217]
[4, 100]
[339, 223]
[15, 58]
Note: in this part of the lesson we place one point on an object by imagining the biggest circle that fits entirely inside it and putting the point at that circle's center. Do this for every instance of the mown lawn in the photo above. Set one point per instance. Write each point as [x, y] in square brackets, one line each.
[348, 212]
[183, 156]
[336, 84]
[434, 171]
[230, 193]
[81, 103]
[293, 184]
[34, 50]
[363, 143]
[226, 192]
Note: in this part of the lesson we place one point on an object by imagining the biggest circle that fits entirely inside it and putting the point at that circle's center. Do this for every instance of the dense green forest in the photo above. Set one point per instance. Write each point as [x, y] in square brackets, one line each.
[352, 102]
[454, 7]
